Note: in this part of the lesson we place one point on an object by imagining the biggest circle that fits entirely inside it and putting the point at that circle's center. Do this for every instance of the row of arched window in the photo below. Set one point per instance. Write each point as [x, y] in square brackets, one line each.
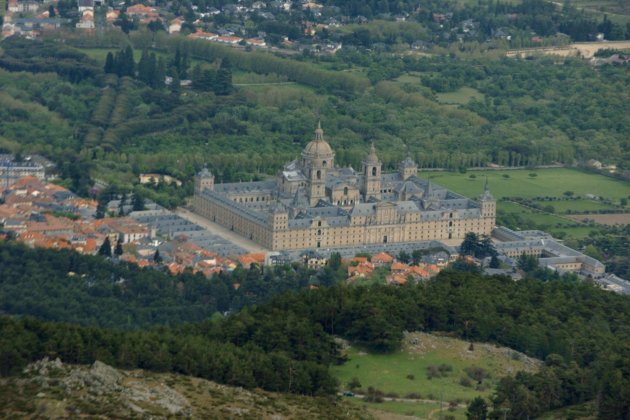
[249, 199]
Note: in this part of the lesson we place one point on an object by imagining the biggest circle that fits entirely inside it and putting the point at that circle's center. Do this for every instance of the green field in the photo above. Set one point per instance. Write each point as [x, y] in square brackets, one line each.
[551, 223]
[534, 216]
[423, 410]
[577, 206]
[405, 371]
[412, 78]
[459, 97]
[548, 182]
[618, 11]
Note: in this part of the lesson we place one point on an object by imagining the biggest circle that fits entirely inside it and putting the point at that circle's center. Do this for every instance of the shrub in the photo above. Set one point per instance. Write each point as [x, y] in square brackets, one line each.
[374, 395]
[477, 373]
[413, 396]
[444, 368]
[433, 372]
[482, 386]
[411, 377]
[354, 384]
[464, 381]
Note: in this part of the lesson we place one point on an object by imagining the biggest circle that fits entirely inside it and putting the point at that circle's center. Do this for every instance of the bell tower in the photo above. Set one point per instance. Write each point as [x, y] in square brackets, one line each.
[487, 202]
[204, 180]
[487, 210]
[371, 183]
[407, 168]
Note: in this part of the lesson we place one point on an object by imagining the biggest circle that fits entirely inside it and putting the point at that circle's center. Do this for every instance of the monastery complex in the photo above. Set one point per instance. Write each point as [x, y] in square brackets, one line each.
[314, 204]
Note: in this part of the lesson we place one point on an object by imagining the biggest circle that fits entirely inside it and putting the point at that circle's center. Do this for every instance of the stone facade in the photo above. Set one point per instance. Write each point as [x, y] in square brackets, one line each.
[313, 204]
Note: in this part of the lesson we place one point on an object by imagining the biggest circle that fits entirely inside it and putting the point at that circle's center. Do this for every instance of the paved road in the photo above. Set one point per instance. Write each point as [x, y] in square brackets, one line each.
[216, 229]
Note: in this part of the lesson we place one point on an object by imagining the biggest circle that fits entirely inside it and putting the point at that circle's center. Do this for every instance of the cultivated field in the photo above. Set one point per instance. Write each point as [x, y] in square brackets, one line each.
[604, 219]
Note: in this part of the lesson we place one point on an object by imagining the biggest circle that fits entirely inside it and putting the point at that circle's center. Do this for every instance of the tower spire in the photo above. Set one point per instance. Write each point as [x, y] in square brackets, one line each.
[486, 195]
[372, 157]
[319, 133]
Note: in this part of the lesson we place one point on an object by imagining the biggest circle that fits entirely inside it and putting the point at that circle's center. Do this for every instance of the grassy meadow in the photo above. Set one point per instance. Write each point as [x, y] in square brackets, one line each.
[460, 97]
[423, 410]
[407, 372]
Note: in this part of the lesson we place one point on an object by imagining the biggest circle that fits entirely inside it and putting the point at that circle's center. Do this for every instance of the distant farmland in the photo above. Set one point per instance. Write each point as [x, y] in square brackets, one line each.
[584, 49]
[604, 219]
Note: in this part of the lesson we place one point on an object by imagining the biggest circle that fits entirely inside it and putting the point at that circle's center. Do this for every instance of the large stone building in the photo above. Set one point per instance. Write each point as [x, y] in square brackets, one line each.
[314, 204]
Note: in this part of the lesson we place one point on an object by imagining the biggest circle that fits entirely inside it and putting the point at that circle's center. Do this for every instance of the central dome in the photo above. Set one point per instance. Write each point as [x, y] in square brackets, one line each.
[318, 147]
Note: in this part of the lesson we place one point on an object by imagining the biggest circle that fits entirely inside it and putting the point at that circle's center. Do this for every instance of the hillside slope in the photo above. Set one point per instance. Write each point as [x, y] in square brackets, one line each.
[51, 389]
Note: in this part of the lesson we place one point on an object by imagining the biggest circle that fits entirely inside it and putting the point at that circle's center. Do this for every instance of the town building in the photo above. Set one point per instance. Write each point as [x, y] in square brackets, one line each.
[314, 204]
[550, 253]
[12, 170]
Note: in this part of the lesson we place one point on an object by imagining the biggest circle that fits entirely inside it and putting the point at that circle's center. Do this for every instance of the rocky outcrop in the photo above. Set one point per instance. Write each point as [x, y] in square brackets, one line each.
[103, 382]
[52, 389]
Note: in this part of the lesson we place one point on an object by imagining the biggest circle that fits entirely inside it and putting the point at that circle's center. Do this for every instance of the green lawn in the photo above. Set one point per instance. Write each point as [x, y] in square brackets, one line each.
[459, 97]
[548, 182]
[389, 372]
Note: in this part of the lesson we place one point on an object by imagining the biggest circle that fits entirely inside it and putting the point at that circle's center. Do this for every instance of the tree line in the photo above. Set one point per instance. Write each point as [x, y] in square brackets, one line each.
[94, 291]
[21, 54]
[580, 331]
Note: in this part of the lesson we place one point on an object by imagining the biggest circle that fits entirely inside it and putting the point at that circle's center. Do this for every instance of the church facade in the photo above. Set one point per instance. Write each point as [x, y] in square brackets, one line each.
[314, 204]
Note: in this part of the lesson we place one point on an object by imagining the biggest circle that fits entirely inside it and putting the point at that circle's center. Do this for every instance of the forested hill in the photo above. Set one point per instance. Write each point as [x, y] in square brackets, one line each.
[247, 113]
[287, 344]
